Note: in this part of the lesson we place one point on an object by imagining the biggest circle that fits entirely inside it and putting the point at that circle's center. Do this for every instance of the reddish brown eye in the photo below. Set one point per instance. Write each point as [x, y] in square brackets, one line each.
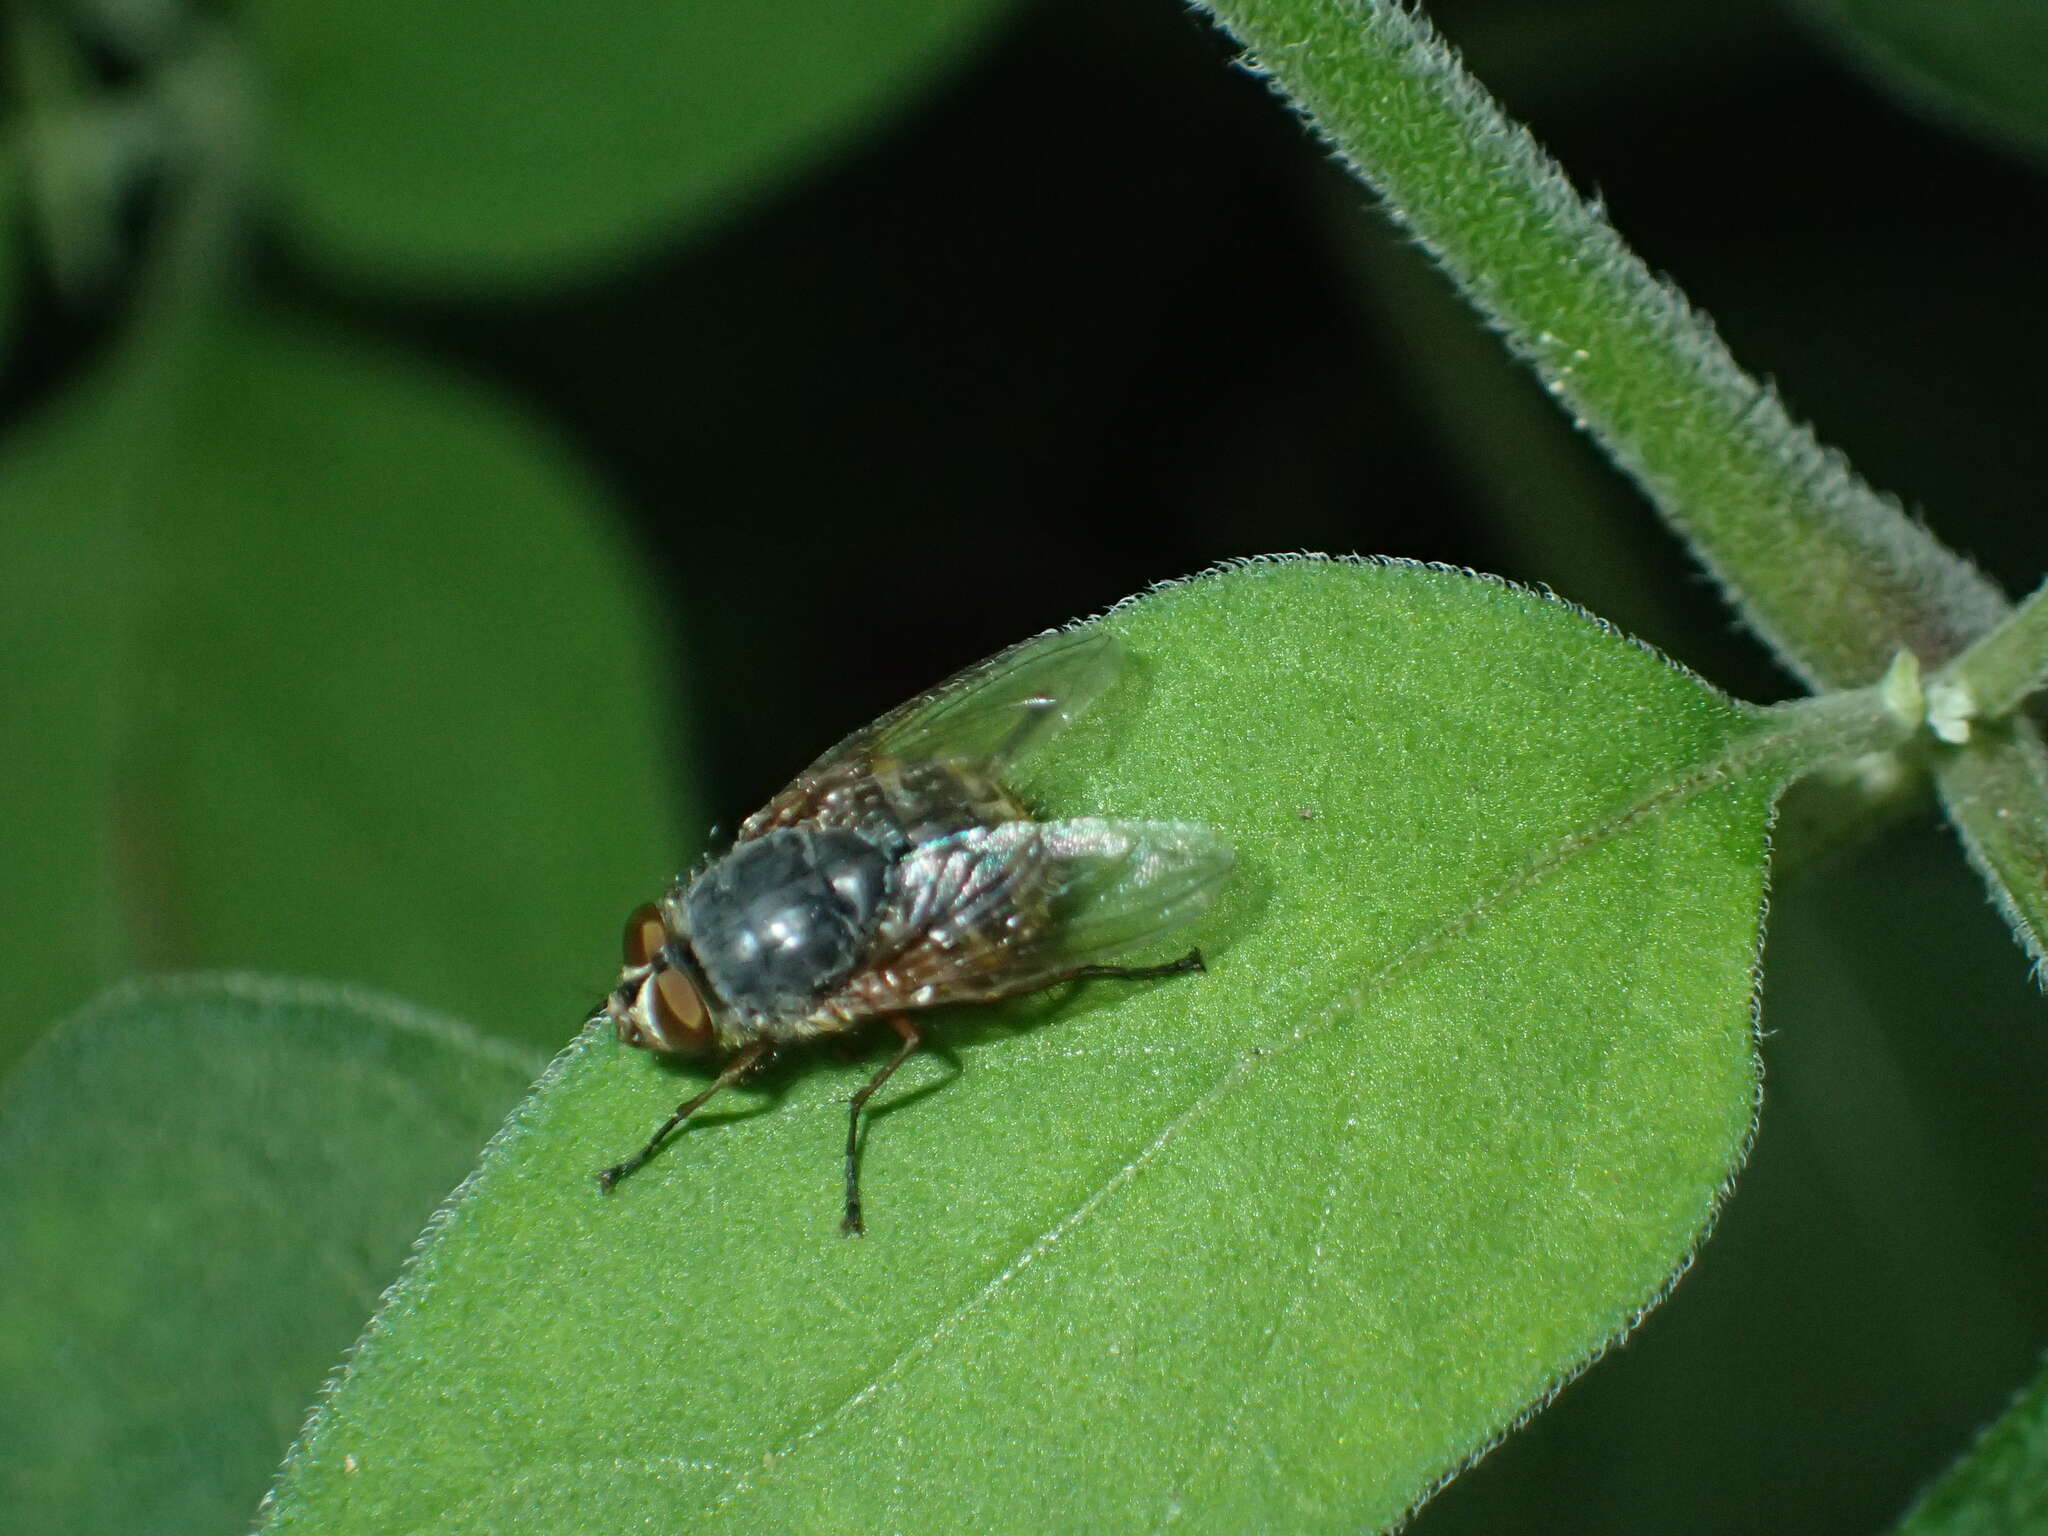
[644, 935]
[679, 1017]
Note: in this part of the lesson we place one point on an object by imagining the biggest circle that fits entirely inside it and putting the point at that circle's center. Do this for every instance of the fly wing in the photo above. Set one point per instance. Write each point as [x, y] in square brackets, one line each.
[997, 710]
[990, 715]
[997, 911]
[1114, 885]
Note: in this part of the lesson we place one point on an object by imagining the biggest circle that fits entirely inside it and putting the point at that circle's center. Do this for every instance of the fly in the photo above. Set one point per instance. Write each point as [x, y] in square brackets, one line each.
[898, 873]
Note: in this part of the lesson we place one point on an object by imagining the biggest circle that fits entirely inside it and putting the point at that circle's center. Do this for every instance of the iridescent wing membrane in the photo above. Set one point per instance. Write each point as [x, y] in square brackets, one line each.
[991, 715]
[1004, 708]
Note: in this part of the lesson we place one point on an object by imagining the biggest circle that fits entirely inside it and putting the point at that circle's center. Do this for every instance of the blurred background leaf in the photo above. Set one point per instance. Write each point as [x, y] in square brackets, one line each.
[334, 665]
[13, 242]
[1976, 64]
[476, 143]
[2001, 1487]
[1271, 1248]
[204, 1185]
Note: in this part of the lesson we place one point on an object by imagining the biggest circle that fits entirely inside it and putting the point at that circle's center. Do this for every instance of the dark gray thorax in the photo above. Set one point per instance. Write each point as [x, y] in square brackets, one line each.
[780, 921]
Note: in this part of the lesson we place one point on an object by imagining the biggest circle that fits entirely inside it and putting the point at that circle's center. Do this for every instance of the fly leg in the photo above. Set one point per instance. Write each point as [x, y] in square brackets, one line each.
[737, 1068]
[1191, 961]
[852, 1225]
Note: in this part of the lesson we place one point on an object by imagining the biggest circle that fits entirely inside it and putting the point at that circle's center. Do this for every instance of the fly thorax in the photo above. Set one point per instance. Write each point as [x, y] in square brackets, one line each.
[780, 921]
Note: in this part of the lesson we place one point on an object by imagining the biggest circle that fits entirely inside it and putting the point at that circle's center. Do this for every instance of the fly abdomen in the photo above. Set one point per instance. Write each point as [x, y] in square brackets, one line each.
[783, 919]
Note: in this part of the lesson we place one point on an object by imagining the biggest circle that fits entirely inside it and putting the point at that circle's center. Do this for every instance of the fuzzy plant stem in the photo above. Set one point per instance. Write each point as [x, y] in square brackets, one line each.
[1831, 574]
[1992, 678]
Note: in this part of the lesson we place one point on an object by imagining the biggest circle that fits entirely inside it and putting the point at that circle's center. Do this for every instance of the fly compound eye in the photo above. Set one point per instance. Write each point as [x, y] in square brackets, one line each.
[673, 1013]
[645, 934]
[680, 1009]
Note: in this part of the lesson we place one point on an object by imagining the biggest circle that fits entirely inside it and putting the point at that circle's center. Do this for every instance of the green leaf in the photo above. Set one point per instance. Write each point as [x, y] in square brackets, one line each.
[484, 143]
[1979, 64]
[203, 1186]
[13, 246]
[1995, 791]
[64, 566]
[321, 662]
[2001, 1487]
[1273, 1248]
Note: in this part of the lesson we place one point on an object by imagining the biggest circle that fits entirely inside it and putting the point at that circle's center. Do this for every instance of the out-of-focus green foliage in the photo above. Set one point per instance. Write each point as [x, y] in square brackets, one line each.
[204, 1184]
[13, 237]
[64, 579]
[482, 143]
[2001, 1487]
[327, 663]
[1978, 64]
